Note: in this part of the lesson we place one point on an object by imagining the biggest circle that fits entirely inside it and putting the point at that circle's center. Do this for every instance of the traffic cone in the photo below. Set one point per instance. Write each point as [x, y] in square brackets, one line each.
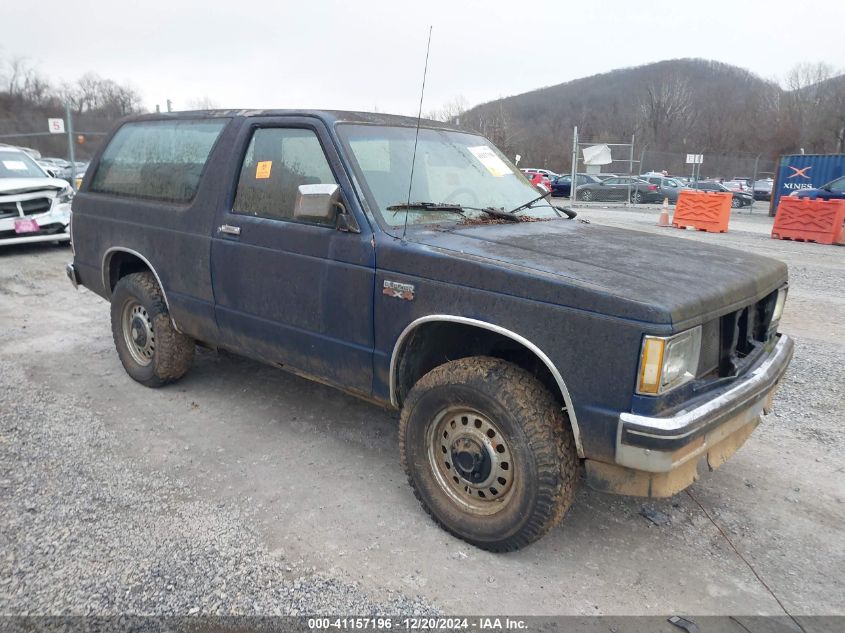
[664, 214]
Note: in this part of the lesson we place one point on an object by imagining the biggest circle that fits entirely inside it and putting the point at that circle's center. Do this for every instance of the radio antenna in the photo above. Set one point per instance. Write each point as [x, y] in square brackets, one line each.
[417, 135]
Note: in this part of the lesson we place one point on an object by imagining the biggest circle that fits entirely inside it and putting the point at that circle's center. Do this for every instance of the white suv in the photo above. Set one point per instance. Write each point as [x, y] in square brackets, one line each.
[33, 206]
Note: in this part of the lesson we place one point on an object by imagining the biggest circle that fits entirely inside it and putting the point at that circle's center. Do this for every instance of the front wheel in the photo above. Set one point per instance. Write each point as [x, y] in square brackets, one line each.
[586, 196]
[488, 452]
[736, 203]
[150, 348]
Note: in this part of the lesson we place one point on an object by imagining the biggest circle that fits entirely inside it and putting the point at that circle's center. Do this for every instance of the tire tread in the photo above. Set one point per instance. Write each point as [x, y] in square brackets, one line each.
[544, 423]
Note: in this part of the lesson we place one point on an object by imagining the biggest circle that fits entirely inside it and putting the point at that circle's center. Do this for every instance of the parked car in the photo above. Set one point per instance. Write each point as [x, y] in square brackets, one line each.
[562, 185]
[546, 172]
[541, 181]
[736, 185]
[739, 199]
[618, 188]
[34, 207]
[517, 344]
[80, 175]
[668, 188]
[833, 190]
[763, 189]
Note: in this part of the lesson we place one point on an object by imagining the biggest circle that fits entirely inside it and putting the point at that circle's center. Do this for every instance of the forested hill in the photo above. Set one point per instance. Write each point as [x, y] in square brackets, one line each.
[681, 105]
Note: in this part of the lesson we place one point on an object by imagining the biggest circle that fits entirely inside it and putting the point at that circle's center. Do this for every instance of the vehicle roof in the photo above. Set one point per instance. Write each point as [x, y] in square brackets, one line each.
[11, 148]
[330, 117]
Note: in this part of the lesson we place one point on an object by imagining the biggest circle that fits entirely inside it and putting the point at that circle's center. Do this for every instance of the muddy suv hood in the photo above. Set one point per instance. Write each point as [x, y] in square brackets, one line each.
[619, 272]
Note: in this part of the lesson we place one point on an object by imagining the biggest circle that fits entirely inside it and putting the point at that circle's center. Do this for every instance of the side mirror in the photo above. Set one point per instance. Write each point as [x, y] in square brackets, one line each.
[317, 202]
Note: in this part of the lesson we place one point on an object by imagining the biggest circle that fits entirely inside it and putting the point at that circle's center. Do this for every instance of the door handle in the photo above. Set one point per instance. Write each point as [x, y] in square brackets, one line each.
[228, 229]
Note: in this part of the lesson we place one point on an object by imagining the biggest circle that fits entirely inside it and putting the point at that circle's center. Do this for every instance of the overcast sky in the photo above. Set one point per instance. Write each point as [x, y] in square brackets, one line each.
[369, 54]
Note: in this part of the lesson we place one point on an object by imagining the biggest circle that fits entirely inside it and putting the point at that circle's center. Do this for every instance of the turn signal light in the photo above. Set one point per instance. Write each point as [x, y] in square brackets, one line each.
[651, 364]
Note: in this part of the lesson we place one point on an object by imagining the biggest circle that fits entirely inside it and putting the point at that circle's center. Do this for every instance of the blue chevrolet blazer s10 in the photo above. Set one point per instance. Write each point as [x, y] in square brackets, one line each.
[410, 263]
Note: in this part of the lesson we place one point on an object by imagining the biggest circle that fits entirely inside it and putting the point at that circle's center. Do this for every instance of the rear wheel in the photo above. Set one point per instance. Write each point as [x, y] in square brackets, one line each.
[150, 348]
[637, 197]
[736, 203]
[488, 452]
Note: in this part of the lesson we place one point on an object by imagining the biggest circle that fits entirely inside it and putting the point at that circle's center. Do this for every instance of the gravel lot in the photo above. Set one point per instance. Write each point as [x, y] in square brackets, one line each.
[243, 489]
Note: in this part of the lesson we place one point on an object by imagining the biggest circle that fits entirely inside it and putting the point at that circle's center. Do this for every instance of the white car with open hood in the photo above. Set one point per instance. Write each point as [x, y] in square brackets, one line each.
[33, 206]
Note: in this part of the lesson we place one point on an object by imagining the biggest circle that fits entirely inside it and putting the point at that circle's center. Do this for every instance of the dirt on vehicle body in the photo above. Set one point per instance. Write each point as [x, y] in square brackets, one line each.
[516, 350]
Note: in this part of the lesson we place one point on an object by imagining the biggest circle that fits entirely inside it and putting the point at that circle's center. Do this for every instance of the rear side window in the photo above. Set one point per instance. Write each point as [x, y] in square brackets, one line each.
[157, 160]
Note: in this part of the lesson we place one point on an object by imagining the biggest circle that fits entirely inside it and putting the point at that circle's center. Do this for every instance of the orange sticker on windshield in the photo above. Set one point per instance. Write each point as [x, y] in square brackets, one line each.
[262, 169]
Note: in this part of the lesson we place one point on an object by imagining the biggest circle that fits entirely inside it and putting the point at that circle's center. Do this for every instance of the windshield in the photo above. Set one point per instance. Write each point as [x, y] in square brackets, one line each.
[451, 168]
[18, 165]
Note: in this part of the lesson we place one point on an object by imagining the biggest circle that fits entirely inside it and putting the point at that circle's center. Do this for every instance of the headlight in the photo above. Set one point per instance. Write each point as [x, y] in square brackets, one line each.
[778, 312]
[667, 362]
[65, 195]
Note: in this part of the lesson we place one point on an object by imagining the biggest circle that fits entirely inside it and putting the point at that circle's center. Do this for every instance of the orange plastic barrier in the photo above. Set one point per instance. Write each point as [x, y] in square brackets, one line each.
[808, 220]
[703, 210]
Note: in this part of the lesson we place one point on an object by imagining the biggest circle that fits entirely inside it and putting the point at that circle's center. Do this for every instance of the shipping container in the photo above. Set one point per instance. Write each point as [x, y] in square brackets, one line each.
[804, 171]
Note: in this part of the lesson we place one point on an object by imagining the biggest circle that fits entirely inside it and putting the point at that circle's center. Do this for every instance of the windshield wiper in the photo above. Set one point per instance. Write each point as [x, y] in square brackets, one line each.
[427, 206]
[526, 205]
[449, 207]
[569, 213]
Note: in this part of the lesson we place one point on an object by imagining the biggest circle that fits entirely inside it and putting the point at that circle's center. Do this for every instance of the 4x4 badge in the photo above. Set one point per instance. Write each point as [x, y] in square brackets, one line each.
[398, 290]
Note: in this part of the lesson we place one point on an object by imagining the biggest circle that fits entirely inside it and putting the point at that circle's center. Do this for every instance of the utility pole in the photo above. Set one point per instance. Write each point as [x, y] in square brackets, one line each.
[71, 153]
[630, 168]
[753, 181]
[574, 165]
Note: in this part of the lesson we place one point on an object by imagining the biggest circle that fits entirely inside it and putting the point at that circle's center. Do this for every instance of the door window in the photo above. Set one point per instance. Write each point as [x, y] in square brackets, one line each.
[277, 161]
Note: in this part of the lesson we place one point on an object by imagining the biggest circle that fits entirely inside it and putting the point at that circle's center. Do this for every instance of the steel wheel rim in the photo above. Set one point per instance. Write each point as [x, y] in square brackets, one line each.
[457, 432]
[138, 332]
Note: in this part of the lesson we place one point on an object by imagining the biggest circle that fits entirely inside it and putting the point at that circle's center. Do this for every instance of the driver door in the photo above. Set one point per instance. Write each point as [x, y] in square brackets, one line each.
[287, 291]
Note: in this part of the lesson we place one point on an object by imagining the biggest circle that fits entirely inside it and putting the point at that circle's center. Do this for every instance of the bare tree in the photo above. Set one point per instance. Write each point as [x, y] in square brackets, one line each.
[450, 112]
[203, 103]
[667, 106]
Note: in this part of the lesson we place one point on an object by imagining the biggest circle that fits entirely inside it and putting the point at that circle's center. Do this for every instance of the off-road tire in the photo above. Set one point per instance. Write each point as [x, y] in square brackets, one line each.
[173, 351]
[546, 463]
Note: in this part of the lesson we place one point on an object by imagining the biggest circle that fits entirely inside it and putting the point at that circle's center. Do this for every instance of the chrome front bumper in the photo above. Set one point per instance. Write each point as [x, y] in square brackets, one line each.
[662, 444]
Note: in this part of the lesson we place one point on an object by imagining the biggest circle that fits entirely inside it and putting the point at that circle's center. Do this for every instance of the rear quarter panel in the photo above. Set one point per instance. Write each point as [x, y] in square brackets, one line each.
[174, 239]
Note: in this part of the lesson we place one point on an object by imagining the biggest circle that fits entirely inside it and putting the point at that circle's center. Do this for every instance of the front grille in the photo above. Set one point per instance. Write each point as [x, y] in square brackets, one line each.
[743, 332]
[35, 206]
[729, 342]
[9, 209]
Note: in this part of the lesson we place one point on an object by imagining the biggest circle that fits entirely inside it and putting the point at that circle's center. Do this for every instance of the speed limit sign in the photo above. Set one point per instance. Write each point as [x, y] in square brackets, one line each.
[56, 126]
